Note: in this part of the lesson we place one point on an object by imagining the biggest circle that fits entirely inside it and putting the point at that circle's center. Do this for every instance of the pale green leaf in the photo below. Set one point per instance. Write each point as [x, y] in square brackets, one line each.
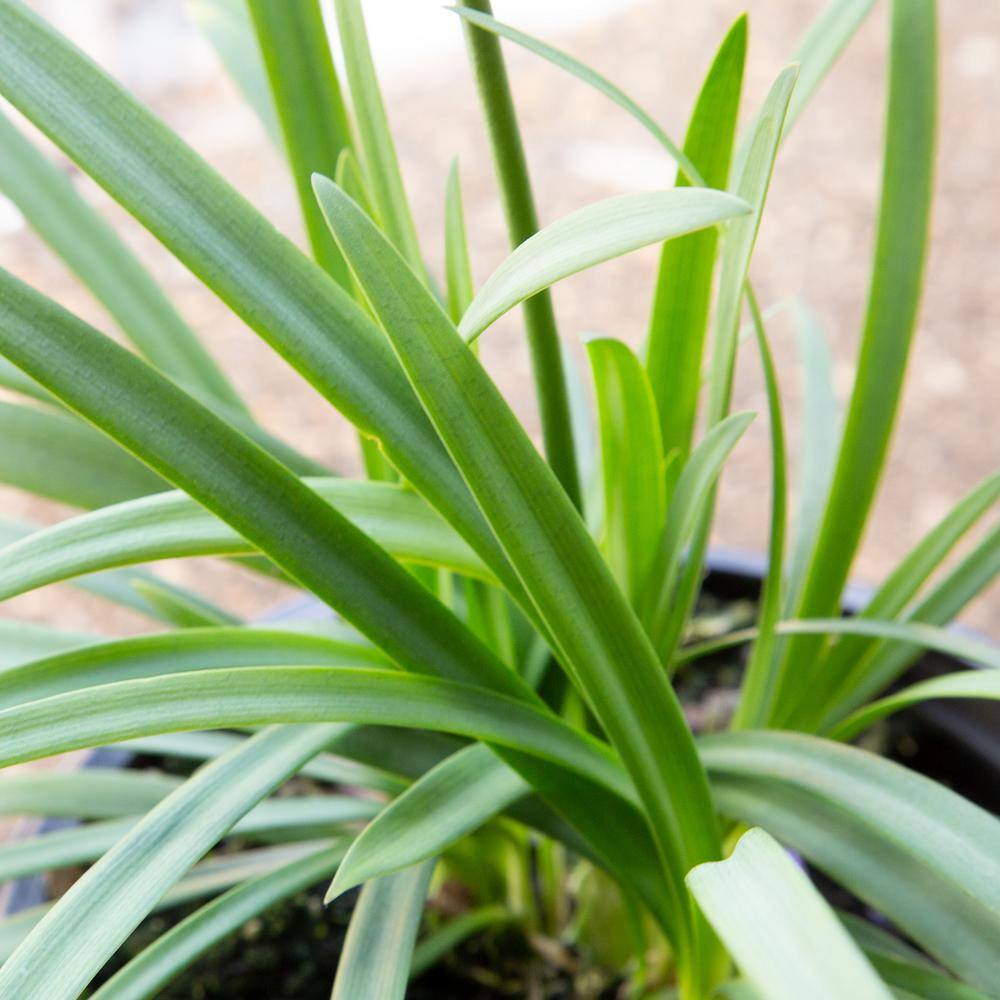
[779, 929]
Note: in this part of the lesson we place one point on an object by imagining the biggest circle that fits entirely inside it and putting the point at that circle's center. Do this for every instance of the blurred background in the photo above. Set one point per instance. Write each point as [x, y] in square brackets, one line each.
[815, 241]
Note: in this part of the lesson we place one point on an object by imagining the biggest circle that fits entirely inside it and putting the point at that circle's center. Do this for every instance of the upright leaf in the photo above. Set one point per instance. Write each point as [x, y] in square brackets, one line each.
[679, 322]
[457, 266]
[589, 76]
[377, 149]
[306, 95]
[897, 273]
[817, 449]
[759, 680]
[227, 25]
[375, 961]
[632, 463]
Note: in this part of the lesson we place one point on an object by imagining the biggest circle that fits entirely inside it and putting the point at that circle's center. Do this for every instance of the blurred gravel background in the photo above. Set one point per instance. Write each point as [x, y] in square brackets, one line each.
[815, 240]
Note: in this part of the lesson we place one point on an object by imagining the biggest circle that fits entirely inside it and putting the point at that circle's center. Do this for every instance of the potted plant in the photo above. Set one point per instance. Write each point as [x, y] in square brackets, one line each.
[502, 735]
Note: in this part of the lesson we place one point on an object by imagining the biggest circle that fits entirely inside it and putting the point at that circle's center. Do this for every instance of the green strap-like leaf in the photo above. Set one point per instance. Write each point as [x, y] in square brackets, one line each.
[323, 767]
[377, 149]
[817, 449]
[290, 817]
[95, 793]
[601, 640]
[154, 968]
[218, 873]
[47, 199]
[897, 274]
[171, 525]
[440, 942]
[451, 800]
[963, 684]
[911, 633]
[56, 456]
[306, 95]
[24, 641]
[819, 48]
[375, 960]
[779, 929]
[902, 967]
[759, 682]
[848, 661]
[457, 266]
[276, 290]
[887, 661]
[76, 937]
[174, 653]
[679, 321]
[591, 235]
[687, 507]
[182, 610]
[751, 181]
[631, 454]
[910, 848]
[256, 696]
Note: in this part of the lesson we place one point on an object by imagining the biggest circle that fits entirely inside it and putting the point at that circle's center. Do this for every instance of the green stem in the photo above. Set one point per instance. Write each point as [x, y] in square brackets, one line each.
[522, 221]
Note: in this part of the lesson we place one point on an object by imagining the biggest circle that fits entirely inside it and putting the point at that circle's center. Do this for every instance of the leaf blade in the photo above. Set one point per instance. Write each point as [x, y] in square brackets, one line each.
[783, 935]
[589, 236]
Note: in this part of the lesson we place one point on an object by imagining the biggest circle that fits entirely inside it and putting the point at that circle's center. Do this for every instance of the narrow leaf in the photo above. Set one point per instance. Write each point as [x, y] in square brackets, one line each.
[897, 272]
[589, 236]
[375, 960]
[631, 455]
[589, 76]
[429, 816]
[687, 507]
[963, 684]
[679, 322]
[45, 196]
[171, 525]
[457, 266]
[306, 95]
[227, 25]
[377, 149]
[759, 681]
